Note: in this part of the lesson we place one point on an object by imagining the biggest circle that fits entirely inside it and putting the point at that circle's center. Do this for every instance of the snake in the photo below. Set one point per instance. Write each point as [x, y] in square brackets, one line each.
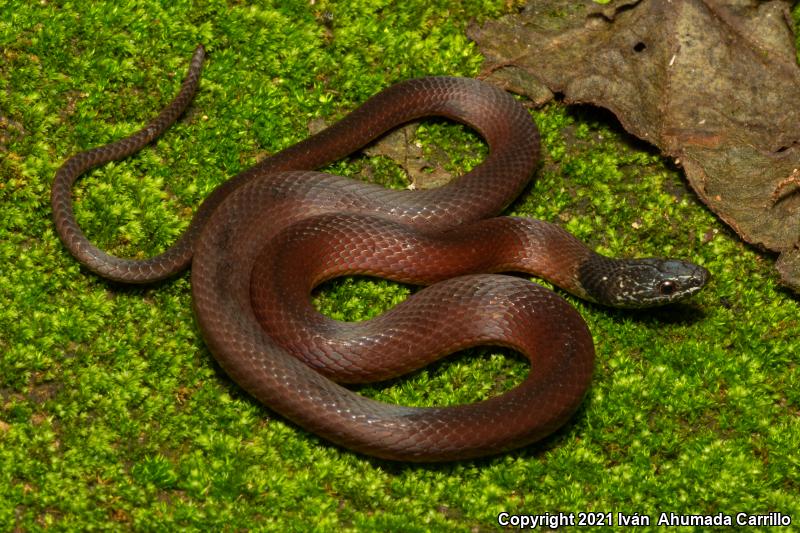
[262, 241]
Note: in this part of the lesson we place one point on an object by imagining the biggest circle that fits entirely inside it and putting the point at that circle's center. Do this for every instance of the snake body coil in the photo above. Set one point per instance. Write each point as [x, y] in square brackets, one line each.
[263, 240]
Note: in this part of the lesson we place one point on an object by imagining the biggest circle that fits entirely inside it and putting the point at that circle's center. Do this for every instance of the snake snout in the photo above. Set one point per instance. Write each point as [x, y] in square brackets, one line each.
[689, 275]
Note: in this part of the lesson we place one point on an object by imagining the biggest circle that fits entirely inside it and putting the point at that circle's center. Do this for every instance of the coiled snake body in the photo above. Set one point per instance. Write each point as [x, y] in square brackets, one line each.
[264, 239]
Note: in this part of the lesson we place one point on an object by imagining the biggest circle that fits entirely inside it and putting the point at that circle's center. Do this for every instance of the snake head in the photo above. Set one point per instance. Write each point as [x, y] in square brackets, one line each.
[637, 283]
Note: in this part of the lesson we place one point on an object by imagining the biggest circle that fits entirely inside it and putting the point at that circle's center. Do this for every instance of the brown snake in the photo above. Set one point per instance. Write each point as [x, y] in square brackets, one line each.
[263, 240]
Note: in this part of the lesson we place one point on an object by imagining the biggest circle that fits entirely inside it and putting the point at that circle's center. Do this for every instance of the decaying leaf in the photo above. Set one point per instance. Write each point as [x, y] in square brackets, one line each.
[713, 83]
[425, 171]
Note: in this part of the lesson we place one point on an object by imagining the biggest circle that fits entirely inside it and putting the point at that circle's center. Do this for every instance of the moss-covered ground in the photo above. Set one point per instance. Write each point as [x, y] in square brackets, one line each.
[114, 415]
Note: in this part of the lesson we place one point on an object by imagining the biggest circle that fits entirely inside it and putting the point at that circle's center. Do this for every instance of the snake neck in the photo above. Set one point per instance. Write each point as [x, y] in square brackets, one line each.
[547, 251]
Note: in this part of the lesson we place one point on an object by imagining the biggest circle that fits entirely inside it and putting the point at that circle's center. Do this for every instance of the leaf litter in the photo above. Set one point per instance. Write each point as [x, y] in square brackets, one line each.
[713, 84]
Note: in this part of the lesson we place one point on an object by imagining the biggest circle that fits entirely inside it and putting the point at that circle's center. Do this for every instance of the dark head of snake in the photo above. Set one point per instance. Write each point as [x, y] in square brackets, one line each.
[639, 283]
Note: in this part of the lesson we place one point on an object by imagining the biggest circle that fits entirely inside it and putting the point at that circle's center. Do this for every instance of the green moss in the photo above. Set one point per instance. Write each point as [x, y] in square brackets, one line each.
[113, 414]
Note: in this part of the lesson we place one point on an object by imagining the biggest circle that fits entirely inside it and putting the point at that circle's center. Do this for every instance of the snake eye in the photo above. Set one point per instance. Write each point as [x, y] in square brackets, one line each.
[667, 288]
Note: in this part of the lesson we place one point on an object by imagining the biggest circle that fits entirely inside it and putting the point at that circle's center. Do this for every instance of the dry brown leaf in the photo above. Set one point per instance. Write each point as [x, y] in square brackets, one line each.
[714, 84]
[424, 171]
